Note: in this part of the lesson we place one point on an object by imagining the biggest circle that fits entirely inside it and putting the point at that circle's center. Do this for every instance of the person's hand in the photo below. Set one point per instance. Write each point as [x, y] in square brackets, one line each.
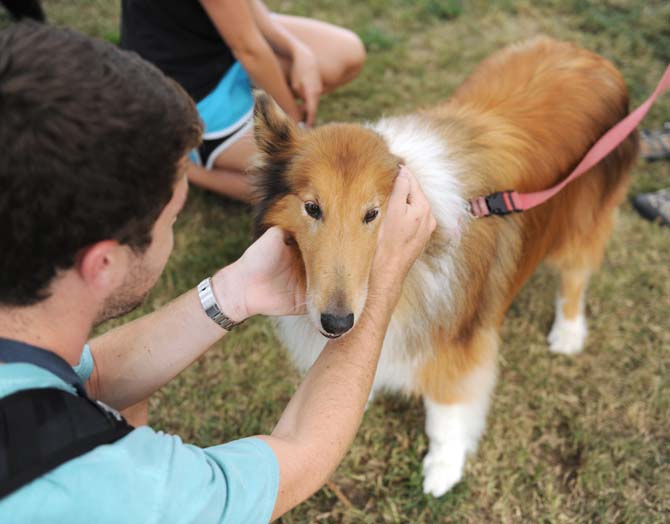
[305, 80]
[403, 235]
[267, 280]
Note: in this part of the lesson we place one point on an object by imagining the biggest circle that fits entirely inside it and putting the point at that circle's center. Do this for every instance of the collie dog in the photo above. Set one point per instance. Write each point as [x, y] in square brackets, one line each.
[522, 120]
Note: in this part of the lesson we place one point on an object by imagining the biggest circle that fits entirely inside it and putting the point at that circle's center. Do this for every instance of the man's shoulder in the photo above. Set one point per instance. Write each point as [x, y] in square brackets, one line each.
[18, 376]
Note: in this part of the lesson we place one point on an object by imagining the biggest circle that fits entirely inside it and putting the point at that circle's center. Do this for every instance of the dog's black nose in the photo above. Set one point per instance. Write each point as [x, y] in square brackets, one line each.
[337, 325]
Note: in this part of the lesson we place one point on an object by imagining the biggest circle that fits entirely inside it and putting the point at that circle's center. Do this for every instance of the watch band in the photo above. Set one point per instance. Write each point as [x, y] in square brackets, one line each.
[211, 306]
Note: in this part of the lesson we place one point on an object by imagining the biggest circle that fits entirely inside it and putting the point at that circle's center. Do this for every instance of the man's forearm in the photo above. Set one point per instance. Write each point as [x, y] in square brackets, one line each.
[134, 360]
[321, 420]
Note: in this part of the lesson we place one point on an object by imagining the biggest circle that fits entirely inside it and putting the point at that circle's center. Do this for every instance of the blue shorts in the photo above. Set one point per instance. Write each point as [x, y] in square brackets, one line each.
[227, 113]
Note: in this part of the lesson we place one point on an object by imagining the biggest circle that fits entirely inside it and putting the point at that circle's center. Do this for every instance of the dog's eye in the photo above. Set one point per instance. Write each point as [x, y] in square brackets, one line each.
[370, 215]
[313, 210]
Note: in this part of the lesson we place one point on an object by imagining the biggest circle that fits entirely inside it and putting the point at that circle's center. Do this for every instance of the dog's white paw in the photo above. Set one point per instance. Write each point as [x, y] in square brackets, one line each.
[441, 471]
[568, 336]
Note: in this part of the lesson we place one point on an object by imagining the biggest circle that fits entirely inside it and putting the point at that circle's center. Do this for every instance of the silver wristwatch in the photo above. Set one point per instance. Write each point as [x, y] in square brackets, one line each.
[211, 306]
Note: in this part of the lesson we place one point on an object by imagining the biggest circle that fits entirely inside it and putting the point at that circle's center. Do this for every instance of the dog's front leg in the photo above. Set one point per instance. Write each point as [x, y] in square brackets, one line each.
[456, 386]
[443, 465]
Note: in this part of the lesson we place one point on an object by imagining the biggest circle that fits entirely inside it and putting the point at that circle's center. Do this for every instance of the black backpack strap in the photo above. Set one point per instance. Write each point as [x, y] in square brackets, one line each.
[41, 429]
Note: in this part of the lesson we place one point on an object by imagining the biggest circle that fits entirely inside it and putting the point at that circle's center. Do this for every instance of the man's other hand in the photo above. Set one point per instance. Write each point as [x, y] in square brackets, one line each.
[268, 279]
[405, 230]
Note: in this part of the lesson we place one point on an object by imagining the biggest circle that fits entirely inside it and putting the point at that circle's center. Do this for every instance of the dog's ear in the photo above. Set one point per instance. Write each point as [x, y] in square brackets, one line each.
[276, 142]
[274, 132]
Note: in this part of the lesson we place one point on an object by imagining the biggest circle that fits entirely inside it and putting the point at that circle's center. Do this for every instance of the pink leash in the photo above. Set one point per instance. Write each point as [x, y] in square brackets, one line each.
[504, 202]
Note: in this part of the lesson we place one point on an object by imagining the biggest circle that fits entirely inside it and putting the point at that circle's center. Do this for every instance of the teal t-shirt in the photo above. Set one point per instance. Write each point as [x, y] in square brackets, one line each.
[146, 477]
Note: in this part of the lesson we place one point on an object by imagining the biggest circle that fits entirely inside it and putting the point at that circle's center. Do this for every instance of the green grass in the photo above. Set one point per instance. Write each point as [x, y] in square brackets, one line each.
[583, 439]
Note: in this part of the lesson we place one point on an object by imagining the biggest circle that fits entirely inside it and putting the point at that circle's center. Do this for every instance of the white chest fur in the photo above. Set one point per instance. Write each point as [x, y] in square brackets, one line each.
[397, 367]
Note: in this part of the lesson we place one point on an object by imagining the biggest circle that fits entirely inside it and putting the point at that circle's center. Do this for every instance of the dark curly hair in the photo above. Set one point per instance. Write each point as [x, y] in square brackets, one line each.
[91, 138]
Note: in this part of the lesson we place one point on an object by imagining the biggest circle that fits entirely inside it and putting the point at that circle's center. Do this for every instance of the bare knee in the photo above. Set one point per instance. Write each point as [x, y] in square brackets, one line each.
[353, 57]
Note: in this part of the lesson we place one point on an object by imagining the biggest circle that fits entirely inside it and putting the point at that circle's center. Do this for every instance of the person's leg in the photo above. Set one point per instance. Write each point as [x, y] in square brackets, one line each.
[228, 175]
[341, 56]
[654, 206]
[340, 52]
[655, 145]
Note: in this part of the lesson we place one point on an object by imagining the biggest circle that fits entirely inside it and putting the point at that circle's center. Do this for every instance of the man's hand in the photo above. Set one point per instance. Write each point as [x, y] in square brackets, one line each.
[403, 235]
[267, 279]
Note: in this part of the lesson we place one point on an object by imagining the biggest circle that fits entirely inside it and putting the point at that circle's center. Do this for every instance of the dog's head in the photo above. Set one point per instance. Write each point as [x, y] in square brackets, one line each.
[328, 188]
